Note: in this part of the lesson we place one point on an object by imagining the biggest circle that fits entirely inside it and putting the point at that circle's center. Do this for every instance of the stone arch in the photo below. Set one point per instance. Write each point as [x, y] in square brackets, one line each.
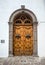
[34, 22]
[29, 12]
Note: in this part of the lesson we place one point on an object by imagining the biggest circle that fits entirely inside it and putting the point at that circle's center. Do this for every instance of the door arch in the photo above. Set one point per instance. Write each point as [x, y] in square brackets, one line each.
[23, 33]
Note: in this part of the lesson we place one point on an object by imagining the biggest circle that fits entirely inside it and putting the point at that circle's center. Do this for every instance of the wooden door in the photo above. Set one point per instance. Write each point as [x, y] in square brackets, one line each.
[22, 40]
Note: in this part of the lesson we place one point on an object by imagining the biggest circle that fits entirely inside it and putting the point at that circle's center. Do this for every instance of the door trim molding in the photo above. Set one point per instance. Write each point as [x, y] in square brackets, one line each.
[35, 45]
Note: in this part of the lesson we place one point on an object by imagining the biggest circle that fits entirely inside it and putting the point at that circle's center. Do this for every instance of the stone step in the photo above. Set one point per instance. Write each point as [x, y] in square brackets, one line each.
[23, 60]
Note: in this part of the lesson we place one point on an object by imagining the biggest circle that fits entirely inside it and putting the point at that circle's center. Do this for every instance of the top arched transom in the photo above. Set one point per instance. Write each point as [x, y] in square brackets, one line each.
[23, 14]
[23, 19]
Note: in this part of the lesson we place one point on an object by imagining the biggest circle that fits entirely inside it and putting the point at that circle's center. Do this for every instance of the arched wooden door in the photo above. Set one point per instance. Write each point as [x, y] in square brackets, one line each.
[22, 36]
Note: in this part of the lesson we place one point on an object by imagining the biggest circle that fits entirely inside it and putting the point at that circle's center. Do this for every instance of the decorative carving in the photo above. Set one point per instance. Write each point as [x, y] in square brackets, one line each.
[24, 17]
[17, 36]
[28, 36]
[18, 21]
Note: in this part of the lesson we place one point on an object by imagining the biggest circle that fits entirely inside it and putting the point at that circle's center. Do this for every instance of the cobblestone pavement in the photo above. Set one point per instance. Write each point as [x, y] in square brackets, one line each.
[22, 60]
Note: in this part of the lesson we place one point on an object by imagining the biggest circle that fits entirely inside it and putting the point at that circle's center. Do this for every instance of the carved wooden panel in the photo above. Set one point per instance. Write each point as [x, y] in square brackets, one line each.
[22, 40]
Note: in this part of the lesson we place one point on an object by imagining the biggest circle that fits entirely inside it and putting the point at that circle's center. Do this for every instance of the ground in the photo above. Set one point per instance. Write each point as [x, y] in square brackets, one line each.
[22, 60]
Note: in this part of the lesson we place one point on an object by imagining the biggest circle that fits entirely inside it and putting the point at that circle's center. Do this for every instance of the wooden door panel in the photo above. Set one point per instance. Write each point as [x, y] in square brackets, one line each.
[23, 45]
[28, 45]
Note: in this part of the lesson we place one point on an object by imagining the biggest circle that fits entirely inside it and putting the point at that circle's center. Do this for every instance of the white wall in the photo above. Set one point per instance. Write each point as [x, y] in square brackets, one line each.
[7, 7]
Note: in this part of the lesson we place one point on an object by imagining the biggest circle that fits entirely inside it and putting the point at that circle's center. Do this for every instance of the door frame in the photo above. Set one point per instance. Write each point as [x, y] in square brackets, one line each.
[35, 45]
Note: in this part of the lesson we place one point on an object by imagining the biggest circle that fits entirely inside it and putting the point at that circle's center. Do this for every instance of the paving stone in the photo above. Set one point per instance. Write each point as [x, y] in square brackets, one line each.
[22, 60]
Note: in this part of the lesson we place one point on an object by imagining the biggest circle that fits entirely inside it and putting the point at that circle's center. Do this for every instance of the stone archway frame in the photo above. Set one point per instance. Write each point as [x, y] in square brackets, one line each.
[35, 46]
